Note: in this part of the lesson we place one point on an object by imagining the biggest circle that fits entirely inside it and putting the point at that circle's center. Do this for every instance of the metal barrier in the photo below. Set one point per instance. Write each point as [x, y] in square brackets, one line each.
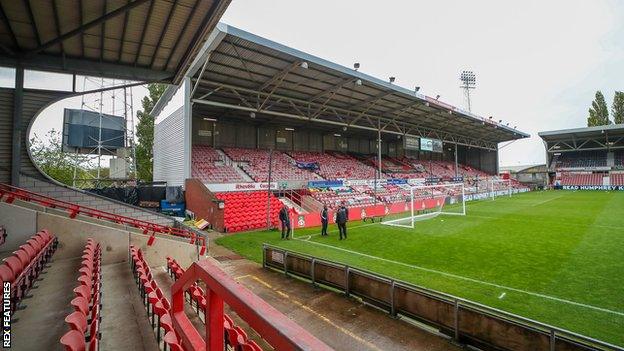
[274, 327]
[10, 193]
[464, 321]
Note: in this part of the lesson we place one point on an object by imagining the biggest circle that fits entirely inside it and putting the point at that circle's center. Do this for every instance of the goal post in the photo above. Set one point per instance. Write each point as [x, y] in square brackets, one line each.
[429, 201]
[499, 187]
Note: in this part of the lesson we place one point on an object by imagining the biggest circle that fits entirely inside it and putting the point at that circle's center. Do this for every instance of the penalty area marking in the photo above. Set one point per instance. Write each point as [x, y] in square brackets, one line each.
[472, 280]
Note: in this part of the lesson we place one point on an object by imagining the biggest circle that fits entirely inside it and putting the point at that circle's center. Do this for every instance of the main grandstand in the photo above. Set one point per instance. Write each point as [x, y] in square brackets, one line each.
[586, 158]
[256, 114]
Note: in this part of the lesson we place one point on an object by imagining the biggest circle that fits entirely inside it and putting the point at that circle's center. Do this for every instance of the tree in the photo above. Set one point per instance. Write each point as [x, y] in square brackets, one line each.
[48, 155]
[598, 113]
[617, 109]
[145, 132]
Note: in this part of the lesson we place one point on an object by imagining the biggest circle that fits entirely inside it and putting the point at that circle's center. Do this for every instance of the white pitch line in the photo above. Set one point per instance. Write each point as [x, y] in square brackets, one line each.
[334, 231]
[502, 295]
[473, 280]
[548, 200]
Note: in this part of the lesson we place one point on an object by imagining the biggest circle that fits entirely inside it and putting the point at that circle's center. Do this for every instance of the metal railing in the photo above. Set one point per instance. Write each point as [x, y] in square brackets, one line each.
[9, 193]
[273, 326]
[464, 321]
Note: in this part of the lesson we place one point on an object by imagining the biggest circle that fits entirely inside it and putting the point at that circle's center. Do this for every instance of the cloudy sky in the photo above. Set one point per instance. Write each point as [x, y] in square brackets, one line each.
[538, 63]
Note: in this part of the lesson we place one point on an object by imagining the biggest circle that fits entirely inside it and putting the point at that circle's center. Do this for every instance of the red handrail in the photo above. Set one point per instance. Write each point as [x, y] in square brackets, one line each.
[13, 193]
[273, 326]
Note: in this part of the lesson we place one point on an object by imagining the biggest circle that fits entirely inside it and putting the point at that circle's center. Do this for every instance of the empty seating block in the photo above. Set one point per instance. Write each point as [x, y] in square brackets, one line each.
[247, 210]
[336, 166]
[581, 159]
[84, 322]
[23, 267]
[154, 300]
[256, 163]
[208, 166]
[581, 179]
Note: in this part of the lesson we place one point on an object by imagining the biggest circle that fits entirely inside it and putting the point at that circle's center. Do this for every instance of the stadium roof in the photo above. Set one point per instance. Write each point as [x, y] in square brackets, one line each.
[139, 39]
[245, 73]
[589, 138]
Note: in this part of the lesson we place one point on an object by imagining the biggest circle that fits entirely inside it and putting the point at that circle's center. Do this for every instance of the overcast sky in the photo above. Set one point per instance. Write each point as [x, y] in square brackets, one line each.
[538, 63]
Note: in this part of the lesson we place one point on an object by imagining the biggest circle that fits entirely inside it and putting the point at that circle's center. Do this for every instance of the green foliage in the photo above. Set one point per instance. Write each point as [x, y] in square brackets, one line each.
[617, 109]
[565, 245]
[145, 133]
[47, 153]
[598, 113]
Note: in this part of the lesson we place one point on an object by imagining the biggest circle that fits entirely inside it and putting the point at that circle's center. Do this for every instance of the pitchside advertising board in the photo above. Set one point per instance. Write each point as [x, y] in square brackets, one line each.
[594, 187]
[241, 186]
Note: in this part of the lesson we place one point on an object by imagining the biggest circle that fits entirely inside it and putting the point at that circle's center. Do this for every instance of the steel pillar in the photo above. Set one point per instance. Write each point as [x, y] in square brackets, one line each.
[18, 109]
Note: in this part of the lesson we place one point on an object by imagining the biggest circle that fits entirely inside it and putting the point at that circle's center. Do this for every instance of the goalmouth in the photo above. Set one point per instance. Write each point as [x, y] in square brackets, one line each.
[429, 201]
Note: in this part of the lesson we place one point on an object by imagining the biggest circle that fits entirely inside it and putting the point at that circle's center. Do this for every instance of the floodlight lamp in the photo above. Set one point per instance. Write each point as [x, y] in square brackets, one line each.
[209, 119]
[358, 82]
[437, 97]
[399, 136]
[356, 66]
[391, 79]
[252, 114]
[336, 135]
[416, 89]
[289, 129]
[303, 65]
[344, 128]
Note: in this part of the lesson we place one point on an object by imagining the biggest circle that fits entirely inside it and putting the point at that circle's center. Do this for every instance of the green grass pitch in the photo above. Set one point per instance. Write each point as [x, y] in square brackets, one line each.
[555, 256]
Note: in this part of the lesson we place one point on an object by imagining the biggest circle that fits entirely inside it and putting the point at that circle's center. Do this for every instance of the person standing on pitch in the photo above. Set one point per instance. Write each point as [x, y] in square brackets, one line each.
[342, 216]
[324, 221]
[285, 219]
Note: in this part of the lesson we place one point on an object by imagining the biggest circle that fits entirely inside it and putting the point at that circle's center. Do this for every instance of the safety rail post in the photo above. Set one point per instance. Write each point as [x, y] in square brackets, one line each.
[264, 249]
[347, 271]
[312, 271]
[285, 265]
[273, 326]
[392, 305]
[456, 320]
[553, 339]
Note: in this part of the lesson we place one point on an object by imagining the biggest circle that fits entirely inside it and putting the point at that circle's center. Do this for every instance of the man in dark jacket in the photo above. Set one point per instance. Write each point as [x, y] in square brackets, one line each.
[324, 221]
[342, 216]
[284, 217]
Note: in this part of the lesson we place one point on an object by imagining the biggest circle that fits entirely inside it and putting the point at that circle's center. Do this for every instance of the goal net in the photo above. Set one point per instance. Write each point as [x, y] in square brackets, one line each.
[429, 201]
[499, 187]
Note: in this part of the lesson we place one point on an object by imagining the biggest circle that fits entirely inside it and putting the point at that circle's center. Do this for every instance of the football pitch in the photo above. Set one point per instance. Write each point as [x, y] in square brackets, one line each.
[556, 256]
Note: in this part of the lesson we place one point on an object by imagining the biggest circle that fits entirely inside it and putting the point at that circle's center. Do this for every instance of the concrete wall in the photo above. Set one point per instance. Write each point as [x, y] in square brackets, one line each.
[22, 223]
[86, 199]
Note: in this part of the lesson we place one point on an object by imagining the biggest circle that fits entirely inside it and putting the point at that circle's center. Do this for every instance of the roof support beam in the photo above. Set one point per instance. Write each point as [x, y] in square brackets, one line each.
[6, 22]
[305, 105]
[164, 30]
[86, 67]
[305, 118]
[31, 17]
[333, 90]
[84, 27]
[143, 31]
[279, 76]
[123, 35]
[182, 31]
